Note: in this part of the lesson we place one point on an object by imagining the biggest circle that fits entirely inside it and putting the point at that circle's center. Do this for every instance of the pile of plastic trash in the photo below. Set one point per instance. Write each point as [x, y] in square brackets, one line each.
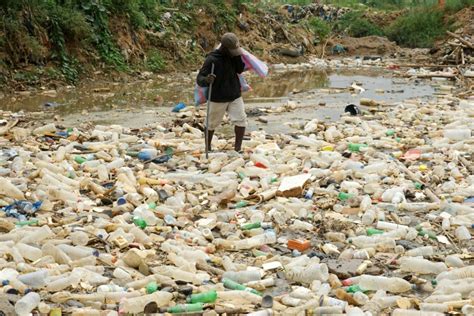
[367, 215]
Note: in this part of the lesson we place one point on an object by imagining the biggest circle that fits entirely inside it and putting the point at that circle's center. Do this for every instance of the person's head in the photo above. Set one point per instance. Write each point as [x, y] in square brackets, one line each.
[230, 44]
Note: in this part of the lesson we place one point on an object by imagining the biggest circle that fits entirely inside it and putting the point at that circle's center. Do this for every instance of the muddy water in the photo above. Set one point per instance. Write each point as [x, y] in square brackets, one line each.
[318, 94]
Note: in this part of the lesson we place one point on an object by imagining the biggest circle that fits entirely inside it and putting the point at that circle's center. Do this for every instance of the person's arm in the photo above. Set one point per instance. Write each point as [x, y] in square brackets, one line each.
[202, 77]
[238, 64]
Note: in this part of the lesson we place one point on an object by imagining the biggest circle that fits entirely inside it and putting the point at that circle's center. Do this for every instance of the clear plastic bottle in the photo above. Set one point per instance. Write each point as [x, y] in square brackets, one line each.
[462, 233]
[10, 190]
[35, 279]
[421, 266]
[443, 298]
[414, 312]
[27, 303]
[136, 305]
[377, 242]
[63, 283]
[29, 252]
[369, 216]
[393, 285]
[268, 237]
[453, 261]
[243, 276]
[79, 238]
[455, 274]
[420, 251]
[315, 271]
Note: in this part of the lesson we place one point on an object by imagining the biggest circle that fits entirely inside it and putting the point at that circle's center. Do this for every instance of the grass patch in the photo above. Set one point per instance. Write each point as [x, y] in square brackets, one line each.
[418, 28]
[319, 27]
[354, 24]
[155, 61]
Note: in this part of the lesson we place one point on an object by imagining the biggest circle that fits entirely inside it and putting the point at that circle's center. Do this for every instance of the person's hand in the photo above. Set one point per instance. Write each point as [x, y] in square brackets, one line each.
[210, 78]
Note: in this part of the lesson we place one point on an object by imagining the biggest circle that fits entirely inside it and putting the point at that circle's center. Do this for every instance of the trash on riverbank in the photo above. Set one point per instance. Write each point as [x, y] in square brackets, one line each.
[369, 214]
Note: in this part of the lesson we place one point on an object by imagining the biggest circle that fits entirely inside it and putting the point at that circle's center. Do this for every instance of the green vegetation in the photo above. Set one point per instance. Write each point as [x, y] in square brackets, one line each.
[105, 33]
[320, 28]
[68, 38]
[355, 24]
[155, 61]
[418, 28]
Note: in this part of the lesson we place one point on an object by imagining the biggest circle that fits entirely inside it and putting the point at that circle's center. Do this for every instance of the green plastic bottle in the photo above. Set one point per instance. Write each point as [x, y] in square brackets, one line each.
[343, 196]
[242, 175]
[356, 147]
[251, 226]
[373, 231]
[419, 186]
[169, 151]
[390, 132]
[205, 297]
[79, 159]
[241, 204]
[27, 223]
[151, 287]
[354, 289]
[185, 308]
[236, 286]
[430, 234]
[152, 205]
[140, 222]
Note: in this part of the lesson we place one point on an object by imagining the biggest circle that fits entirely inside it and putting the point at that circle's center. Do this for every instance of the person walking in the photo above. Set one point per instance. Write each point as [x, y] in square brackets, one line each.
[226, 94]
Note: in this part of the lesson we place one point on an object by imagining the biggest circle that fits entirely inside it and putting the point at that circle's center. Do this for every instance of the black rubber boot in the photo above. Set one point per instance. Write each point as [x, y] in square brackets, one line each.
[210, 134]
[239, 136]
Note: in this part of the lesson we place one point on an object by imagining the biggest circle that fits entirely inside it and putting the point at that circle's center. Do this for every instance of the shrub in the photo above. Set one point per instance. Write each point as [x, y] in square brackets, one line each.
[358, 26]
[319, 27]
[417, 28]
[155, 61]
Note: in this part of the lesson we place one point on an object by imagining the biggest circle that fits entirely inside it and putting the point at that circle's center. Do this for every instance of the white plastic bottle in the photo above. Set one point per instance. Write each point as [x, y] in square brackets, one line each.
[375, 283]
[268, 237]
[34, 279]
[27, 303]
[421, 266]
[136, 305]
[420, 251]
[315, 271]
[243, 276]
[462, 233]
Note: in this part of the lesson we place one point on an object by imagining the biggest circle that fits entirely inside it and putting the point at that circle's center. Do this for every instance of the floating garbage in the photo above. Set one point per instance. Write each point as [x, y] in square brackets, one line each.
[372, 214]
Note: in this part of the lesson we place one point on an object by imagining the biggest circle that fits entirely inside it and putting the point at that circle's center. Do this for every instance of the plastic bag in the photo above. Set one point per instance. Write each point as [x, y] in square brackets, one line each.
[200, 93]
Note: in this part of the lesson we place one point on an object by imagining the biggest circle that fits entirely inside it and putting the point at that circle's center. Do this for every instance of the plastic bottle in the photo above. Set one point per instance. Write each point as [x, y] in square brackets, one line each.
[137, 304]
[378, 242]
[462, 233]
[106, 288]
[456, 274]
[63, 283]
[369, 216]
[29, 252]
[10, 190]
[243, 276]
[393, 285]
[443, 298]
[457, 134]
[414, 312]
[229, 284]
[185, 308]
[268, 237]
[315, 271]
[420, 251]
[27, 303]
[45, 129]
[453, 261]
[206, 297]
[421, 266]
[35, 279]
[79, 238]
